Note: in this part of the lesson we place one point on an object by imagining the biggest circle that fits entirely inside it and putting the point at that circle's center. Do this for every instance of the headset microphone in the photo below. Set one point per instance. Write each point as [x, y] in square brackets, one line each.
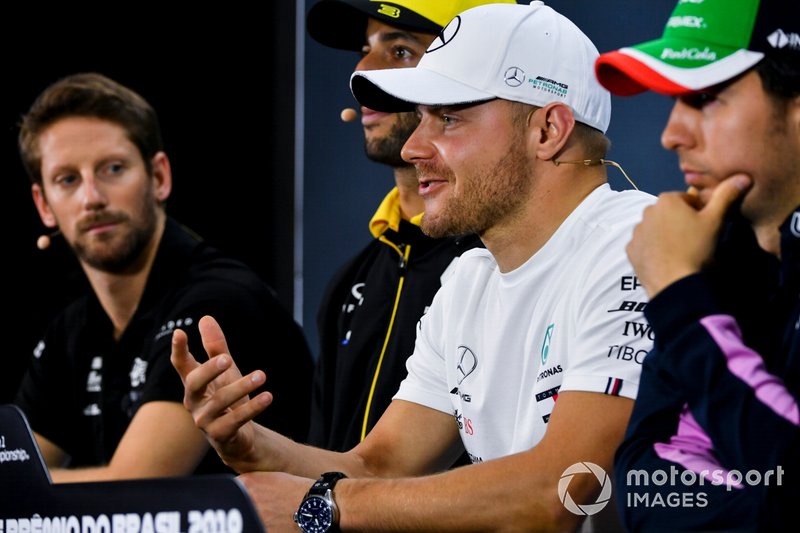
[348, 114]
[43, 242]
[594, 162]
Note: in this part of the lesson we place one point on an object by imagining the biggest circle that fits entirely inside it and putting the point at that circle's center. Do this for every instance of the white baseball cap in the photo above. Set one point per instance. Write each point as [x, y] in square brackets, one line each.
[529, 54]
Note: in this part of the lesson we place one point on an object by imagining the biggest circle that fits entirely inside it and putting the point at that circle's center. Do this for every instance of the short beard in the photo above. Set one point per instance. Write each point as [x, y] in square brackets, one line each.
[387, 150]
[122, 257]
[488, 195]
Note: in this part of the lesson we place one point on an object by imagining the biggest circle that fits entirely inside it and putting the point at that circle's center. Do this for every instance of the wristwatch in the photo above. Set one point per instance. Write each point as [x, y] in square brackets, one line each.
[318, 512]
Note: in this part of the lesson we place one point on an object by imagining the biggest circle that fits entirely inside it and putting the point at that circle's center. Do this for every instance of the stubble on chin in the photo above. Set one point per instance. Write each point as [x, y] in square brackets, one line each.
[122, 249]
[485, 197]
[387, 149]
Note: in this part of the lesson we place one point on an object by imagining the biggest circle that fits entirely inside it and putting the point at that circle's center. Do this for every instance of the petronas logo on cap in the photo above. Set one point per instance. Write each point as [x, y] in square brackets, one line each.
[389, 11]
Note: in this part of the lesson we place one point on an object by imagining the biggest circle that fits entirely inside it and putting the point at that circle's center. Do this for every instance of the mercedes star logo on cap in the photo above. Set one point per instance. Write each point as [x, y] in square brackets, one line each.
[514, 77]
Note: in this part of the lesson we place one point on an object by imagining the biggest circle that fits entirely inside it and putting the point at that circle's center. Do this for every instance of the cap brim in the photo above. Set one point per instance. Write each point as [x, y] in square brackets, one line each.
[625, 76]
[629, 71]
[400, 90]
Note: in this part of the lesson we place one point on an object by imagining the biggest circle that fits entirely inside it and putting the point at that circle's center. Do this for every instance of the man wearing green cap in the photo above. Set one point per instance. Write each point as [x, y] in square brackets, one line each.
[713, 439]
[368, 316]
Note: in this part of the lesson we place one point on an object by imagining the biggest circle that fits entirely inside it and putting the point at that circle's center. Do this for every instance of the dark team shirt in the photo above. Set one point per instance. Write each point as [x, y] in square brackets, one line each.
[367, 323]
[719, 395]
[83, 388]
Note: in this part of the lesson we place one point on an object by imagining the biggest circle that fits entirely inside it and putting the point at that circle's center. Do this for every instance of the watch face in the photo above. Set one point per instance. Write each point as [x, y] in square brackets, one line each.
[315, 515]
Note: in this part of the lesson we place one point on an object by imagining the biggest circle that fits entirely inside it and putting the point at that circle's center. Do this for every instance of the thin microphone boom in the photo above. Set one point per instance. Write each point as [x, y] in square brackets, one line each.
[593, 162]
[44, 241]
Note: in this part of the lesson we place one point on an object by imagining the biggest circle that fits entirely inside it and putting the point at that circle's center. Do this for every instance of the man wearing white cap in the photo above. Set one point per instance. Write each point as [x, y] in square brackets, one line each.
[718, 409]
[367, 318]
[530, 354]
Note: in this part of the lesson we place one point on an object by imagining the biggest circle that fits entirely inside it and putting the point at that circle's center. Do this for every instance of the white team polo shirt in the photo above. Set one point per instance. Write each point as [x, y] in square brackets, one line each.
[496, 349]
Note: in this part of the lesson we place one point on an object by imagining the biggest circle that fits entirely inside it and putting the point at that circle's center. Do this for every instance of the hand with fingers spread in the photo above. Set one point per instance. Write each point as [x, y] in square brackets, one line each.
[217, 395]
[677, 234]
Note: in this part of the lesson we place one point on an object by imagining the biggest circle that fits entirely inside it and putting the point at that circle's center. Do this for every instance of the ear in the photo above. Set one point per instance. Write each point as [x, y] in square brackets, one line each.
[554, 123]
[162, 176]
[48, 219]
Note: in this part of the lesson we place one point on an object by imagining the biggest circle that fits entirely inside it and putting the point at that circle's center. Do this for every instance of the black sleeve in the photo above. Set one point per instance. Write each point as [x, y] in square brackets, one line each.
[260, 333]
[726, 384]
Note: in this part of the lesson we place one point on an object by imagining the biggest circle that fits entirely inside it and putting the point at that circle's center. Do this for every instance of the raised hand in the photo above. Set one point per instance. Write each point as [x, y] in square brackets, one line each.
[217, 395]
[678, 233]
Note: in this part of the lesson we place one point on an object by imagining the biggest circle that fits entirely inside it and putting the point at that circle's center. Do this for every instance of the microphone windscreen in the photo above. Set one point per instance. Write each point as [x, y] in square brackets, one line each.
[43, 242]
[348, 114]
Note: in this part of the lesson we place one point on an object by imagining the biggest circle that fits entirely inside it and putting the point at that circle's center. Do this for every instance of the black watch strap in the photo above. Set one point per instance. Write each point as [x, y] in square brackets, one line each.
[326, 482]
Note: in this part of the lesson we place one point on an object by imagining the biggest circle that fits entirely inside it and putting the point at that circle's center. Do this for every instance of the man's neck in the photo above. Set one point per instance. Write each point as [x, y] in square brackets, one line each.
[769, 238]
[767, 226]
[411, 203]
[120, 293]
[553, 197]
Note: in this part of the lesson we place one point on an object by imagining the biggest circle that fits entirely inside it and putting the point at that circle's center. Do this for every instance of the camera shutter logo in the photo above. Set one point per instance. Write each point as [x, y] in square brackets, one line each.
[602, 499]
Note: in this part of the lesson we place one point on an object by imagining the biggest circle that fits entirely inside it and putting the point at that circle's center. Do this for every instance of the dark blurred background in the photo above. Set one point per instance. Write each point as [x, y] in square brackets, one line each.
[225, 82]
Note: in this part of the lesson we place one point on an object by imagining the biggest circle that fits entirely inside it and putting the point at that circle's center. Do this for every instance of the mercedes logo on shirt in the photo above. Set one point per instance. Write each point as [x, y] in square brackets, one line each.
[466, 363]
[514, 77]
